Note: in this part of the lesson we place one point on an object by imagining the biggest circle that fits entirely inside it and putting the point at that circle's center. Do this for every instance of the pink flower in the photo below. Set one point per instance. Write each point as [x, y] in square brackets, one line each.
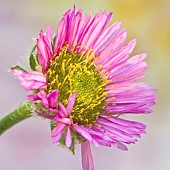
[87, 82]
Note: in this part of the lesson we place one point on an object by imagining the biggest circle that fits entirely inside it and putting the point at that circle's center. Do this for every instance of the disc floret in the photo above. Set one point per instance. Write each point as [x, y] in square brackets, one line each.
[76, 72]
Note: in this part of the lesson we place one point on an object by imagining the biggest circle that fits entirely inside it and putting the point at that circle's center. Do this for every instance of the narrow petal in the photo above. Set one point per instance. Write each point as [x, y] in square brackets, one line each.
[57, 132]
[60, 36]
[132, 98]
[120, 130]
[82, 28]
[57, 137]
[82, 132]
[71, 101]
[63, 110]
[95, 29]
[87, 159]
[65, 120]
[68, 138]
[120, 55]
[111, 49]
[120, 146]
[43, 57]
[49, 34]
[108, 35]
[77, 18]
[44, 47]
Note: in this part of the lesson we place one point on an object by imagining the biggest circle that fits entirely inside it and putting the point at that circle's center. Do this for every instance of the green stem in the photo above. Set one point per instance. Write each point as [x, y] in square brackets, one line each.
[21, 113]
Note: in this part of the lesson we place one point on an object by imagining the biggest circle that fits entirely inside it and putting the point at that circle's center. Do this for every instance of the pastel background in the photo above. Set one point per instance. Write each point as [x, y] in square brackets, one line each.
[28, 145]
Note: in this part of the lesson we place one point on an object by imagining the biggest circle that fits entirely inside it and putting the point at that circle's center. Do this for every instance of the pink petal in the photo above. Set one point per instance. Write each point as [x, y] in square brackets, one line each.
[132, 98]
[124, 51]
[95, 29]
[120, 146]
[37, 96]
[31, 80]
[49, 34]
[60, 36]
[87, 159]
[70, 104]
[43, 57]
[63, 110]
[65, 121]
[57, 132]
[82, 132]
[68, 138]
[57, 137]
[137, 58]
[59, 127]
[53, 98]
[112, 48]
[44, 47]
[74, 29]
[82, 28]
[107, 37]
[50, 100]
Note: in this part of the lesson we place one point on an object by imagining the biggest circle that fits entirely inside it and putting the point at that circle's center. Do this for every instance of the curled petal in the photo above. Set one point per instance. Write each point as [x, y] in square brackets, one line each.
[51, 99]
[31, 80]
[37, 96]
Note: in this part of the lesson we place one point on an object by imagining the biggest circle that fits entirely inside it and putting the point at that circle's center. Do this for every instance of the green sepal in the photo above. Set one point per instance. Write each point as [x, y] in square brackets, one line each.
[53, 42]
[17, 67]
[52, 125]
[62, 140]
[32, 62]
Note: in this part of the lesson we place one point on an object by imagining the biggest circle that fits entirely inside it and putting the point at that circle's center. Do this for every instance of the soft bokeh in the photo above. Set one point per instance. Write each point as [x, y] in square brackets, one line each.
[28, 145]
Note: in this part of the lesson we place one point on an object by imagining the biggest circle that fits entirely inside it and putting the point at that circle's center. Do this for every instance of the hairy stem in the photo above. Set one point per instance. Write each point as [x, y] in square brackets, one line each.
[21, 113]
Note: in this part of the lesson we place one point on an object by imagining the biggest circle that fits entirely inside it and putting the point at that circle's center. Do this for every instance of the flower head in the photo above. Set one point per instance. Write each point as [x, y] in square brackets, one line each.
[84, 80]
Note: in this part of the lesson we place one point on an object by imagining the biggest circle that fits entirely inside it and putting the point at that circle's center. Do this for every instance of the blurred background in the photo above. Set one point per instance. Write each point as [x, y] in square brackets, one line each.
[28, 145]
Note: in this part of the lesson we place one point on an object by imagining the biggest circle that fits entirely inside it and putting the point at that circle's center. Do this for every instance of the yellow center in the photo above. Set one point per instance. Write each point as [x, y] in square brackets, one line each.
[71, 72]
